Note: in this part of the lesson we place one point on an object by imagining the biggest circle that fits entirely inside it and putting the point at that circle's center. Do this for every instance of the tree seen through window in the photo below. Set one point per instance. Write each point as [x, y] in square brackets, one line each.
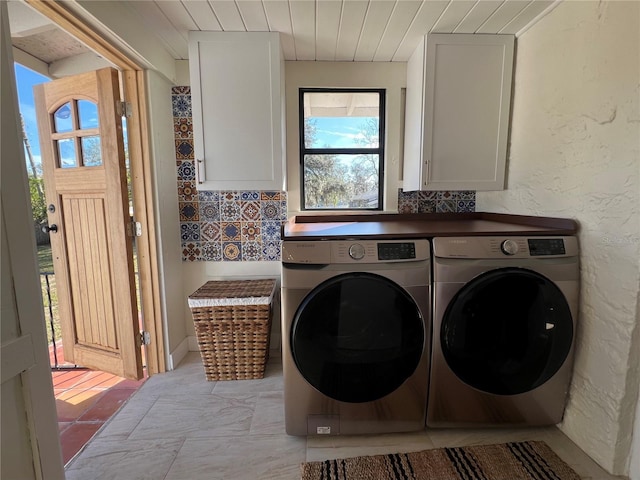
[342, 149]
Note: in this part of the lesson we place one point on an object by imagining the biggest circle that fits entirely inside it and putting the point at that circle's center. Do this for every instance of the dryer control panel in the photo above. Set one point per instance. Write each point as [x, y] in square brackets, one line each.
[505, 247]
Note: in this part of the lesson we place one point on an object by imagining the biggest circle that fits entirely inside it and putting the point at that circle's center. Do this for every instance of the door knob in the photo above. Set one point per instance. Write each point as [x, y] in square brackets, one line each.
[48, 229]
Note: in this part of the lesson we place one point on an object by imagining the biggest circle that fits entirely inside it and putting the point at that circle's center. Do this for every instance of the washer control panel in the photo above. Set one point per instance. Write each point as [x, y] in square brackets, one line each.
[396, 251]
[369, 251]
[355, 251]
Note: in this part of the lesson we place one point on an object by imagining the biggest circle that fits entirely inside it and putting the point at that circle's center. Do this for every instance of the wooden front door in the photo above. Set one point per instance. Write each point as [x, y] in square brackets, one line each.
[83, 158]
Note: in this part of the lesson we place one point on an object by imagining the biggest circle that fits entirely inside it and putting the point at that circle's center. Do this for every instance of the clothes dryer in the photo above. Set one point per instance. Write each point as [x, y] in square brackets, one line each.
[356, 335]
[504, 321]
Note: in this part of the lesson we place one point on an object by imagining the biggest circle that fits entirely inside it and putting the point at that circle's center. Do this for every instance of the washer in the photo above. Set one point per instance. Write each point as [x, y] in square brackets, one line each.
[356, 335]
[504, 323]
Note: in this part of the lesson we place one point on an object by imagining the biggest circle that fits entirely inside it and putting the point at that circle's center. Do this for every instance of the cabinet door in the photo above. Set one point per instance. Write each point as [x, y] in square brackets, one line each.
[465, 109]
[236, 87]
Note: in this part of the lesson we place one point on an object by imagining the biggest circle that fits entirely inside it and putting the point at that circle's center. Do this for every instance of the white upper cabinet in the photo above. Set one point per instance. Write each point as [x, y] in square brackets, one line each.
[457, 112]
[237, 91]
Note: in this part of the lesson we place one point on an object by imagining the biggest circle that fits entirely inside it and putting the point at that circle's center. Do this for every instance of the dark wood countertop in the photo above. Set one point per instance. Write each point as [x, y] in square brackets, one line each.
[422, 225]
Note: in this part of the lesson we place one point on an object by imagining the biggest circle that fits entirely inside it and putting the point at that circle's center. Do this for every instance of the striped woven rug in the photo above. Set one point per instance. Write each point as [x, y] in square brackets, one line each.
[506, 461]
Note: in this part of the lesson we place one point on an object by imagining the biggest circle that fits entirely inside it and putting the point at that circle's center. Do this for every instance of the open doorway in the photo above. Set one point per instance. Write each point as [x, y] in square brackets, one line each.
[85, 398]
[82, 389]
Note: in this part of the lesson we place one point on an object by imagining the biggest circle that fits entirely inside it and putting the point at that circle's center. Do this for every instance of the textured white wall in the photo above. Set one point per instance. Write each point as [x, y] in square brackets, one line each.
[574, 153]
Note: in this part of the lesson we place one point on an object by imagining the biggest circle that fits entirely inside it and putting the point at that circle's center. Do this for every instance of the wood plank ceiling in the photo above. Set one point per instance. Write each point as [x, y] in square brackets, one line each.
[322, 30]
[337, 30]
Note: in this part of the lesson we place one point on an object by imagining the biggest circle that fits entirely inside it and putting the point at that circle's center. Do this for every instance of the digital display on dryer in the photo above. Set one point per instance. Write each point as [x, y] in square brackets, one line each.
[396, 251]
[546, 246]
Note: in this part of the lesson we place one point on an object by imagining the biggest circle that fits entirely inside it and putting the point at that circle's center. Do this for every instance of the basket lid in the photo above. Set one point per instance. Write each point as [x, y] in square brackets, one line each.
[216, 293]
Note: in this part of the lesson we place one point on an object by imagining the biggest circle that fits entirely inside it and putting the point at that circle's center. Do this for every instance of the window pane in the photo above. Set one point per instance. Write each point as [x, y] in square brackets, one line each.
[62, 118]
[341, 120]
[88, 113]
[91, 153]
[67, 153]
[341, 181]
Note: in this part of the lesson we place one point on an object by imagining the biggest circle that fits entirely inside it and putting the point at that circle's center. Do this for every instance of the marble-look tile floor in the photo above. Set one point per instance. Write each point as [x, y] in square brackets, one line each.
[179, 426]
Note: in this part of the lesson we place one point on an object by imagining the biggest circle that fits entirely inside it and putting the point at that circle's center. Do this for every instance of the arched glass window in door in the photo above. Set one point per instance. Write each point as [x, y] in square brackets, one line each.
[76, 134]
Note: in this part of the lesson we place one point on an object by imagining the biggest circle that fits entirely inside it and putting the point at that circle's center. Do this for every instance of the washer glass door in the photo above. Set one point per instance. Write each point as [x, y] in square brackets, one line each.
[357, 337]
[507, 331]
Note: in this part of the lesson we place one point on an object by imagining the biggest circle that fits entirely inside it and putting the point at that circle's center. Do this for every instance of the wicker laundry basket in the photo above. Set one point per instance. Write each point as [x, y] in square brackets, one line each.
[232, 320]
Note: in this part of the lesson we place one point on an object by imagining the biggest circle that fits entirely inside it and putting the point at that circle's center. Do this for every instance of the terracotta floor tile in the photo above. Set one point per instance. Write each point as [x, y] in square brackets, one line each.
[107, 405]
[59, 356]
[99, 380]
[126, 383]
[76, 396]
[75, 437]
[62, 426]
[68, 378]
[71, 404]
[85, 399]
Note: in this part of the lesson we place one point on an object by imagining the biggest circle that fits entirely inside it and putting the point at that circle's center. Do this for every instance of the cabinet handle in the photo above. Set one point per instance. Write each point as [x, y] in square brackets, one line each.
[425, 177]
[200, 178]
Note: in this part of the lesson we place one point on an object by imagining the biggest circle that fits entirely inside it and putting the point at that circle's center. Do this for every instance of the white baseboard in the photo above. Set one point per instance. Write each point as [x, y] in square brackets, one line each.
[179, 353]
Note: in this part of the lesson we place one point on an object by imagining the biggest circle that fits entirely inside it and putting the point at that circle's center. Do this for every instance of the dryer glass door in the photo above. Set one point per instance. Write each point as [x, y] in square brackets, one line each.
[507, 331]
[357, 337]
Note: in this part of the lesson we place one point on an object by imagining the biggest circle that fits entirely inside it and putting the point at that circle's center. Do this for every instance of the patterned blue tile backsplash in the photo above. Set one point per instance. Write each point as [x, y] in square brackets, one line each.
[436, 202]
[221, 226]
[232, 226]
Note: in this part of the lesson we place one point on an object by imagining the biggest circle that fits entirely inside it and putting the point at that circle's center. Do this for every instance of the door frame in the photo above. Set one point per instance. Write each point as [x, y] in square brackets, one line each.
[133, 77]
[26, 373]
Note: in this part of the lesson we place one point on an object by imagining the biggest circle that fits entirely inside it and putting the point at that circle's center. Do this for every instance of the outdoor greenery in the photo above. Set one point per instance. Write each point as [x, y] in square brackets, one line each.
[331, 182]
[45, 260]
[38, 203]
[49, 293]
